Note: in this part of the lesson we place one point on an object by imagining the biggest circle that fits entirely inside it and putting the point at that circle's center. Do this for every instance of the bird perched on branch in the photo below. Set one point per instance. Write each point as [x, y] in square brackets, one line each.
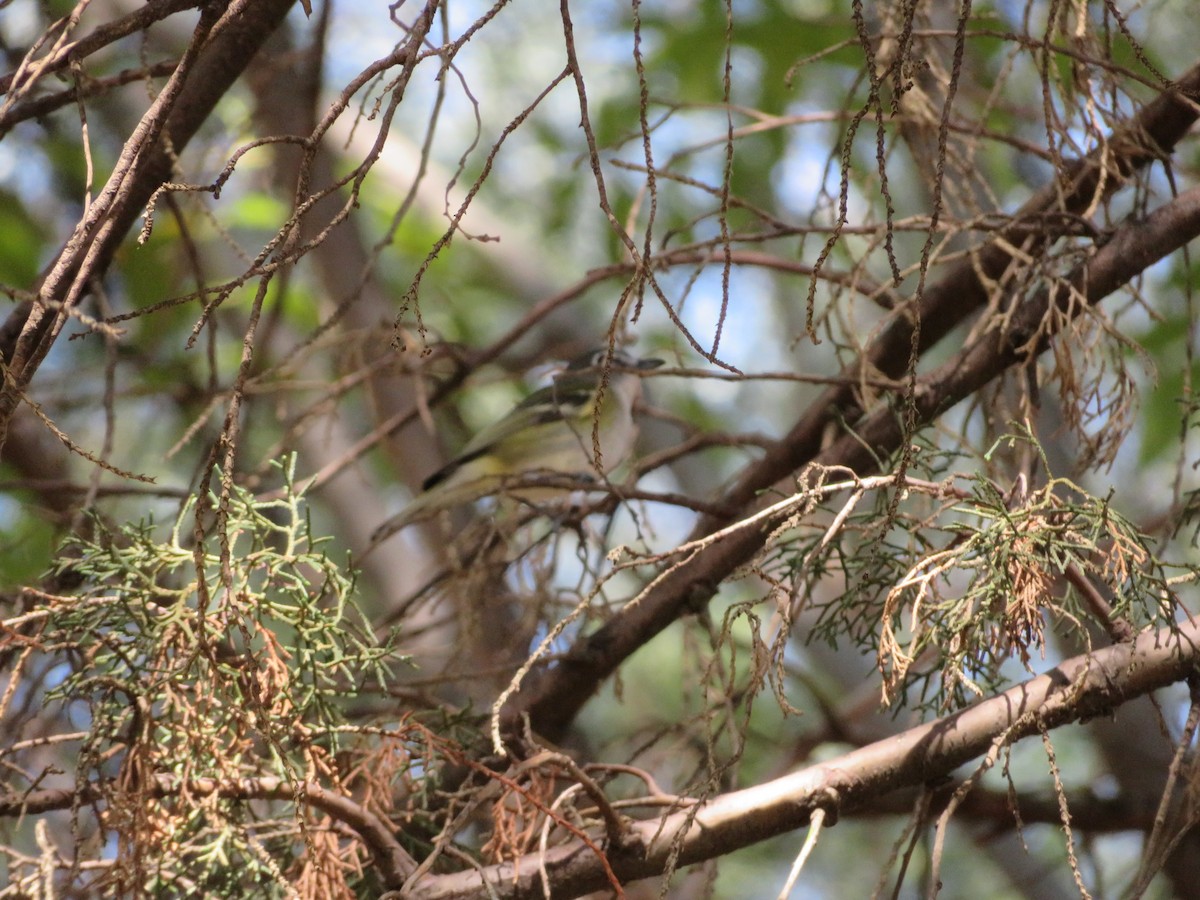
[553, 431]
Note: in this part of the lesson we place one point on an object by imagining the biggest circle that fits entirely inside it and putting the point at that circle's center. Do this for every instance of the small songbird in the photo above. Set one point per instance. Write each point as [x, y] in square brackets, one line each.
[550, 431]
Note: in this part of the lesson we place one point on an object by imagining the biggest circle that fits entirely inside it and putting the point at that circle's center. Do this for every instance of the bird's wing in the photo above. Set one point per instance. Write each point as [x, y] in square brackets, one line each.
[567, 397]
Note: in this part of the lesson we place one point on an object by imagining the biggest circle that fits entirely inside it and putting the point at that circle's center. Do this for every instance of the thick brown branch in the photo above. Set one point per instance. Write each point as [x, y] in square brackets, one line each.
[1076, 690]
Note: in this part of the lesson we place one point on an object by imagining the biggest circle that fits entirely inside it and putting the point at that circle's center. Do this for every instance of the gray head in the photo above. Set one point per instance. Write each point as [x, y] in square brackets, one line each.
[599, 358]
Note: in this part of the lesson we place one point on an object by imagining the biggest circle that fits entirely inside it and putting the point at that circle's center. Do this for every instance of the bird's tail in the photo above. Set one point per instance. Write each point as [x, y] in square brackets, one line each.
[443, 495]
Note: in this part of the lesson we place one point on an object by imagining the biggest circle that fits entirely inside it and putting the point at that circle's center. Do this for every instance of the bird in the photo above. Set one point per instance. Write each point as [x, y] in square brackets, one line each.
[550, 431]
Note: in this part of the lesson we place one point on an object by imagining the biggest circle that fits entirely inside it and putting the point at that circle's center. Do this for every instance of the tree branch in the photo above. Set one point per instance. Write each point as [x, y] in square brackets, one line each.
[214, 60]
[1078, 689]
[1151, 135]
[554, 697]
[76, 51]
[394, 863]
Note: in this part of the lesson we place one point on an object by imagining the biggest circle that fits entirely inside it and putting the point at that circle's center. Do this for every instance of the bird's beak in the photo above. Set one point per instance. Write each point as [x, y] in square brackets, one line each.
[650, 363]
